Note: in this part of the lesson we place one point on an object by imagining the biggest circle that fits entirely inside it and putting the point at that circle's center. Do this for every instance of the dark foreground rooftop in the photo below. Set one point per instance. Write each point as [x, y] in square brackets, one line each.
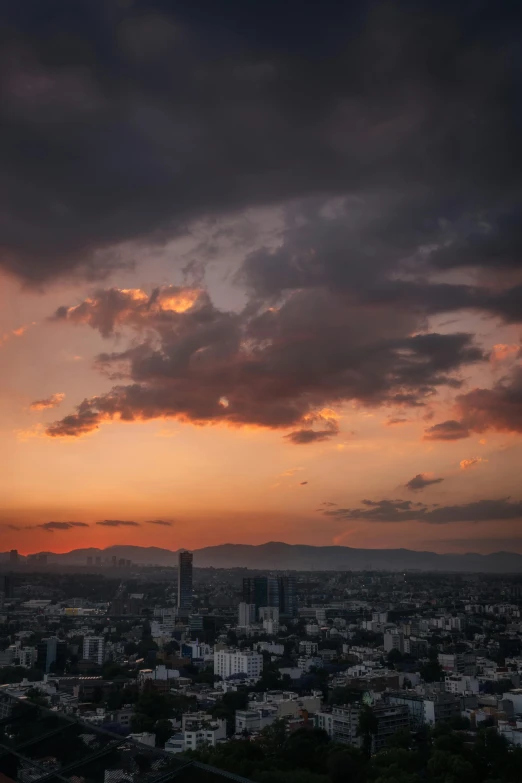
[38, 745]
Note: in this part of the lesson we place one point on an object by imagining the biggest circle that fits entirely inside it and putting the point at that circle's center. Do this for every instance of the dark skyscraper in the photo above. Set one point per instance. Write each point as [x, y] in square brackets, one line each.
[276, 591]
[13, 556]
[51, 651]
[255, 591]
[185, 581]
[6, 586]
[287, 595]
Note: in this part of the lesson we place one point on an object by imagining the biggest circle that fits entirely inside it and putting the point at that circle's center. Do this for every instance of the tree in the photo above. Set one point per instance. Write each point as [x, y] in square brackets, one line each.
[446, 767]
[37, 697]
[163, 731]
[306, 748]
[346, 764]
[344, 695]
[393, 657]
[432, 671]
[367, 728]
[97, 695]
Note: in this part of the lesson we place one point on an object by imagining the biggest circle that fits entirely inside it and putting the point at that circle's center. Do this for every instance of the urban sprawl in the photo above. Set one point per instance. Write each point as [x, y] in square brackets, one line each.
[337, 672]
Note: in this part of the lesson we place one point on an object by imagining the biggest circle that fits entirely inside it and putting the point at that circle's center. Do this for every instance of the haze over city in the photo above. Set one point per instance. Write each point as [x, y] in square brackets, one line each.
[260, 275]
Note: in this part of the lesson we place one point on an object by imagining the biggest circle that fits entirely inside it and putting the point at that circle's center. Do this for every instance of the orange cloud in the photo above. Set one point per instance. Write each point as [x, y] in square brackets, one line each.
[49, 402]
[19, 332]
[467, 464]
[502, 351]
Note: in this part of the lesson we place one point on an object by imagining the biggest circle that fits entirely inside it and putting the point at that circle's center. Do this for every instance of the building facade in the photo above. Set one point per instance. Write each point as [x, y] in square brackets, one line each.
[185, 581]
[94, 649]
[51, 652]
[230, 662]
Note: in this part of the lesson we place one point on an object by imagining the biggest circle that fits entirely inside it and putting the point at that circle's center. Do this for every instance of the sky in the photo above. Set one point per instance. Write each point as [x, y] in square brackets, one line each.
[261, 274]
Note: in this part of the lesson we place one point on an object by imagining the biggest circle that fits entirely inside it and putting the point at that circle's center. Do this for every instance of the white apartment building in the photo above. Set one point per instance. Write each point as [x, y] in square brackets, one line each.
[198, 729]
[94, 649]
[308, 648]
[27, 657]
[229, 662]
[269, 613]
[246, 615]
[460, 684]
[394, 641]
[324, 720]
[252, 721]
[271, 627]
[159, 673]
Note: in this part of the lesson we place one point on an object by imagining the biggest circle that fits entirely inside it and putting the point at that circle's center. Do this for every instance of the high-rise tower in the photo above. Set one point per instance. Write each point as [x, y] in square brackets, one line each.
[185, 581]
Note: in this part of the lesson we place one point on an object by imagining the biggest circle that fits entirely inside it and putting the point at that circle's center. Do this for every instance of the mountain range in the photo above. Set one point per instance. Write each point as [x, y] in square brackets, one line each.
[297, 557]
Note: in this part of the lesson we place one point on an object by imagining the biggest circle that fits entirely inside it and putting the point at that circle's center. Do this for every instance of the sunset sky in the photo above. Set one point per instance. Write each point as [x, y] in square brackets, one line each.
[260, 274]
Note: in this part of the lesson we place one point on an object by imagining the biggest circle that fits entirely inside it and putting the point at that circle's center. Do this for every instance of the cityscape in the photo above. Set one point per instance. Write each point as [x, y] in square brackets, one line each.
[305, 675]
[260, 391]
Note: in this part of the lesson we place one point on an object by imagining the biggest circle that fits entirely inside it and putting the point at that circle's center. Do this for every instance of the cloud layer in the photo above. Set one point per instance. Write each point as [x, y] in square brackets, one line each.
[49, 527]
[276, 367]
[159, 115]
[393, 161]
[407, 511]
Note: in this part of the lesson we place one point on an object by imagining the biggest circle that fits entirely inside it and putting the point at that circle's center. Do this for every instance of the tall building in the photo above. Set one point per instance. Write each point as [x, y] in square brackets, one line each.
[246, 615]
[394, 641]
[185, 581]
[287, 596]
[93, 649]
[229, 662]
[279, 591]
[6, 586]
[255, 591]
[13, 556]
[51, 651]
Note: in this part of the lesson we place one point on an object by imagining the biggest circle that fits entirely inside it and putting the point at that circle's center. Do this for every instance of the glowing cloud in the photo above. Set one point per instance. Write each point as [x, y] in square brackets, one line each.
[467, 464]
[49, 402]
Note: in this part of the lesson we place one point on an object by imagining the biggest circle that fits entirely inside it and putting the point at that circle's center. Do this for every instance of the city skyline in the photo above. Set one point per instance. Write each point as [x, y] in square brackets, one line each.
[261, 279]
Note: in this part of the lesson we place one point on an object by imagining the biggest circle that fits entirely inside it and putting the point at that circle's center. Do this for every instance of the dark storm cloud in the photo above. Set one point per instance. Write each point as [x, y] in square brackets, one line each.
[276, 367]
[117, 523]
[420, 481]
[495, 241]
[447, 430]
[498, 408]
[122, 122]
[407, 511]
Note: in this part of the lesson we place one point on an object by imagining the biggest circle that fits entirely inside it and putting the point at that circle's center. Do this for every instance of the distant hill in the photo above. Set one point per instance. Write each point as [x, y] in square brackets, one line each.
[300, 557]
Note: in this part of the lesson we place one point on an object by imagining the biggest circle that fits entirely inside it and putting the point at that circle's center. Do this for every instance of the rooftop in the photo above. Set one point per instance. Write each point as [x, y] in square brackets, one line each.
[44, 746]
